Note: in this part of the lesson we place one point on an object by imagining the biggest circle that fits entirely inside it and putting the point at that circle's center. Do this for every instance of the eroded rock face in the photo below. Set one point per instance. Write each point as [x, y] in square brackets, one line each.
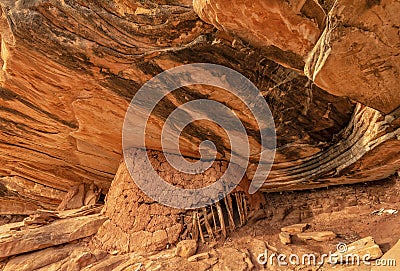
[365, 150]
[290, 28]
[65, 88]
[357, 55]
[70, 69]
[349, 49]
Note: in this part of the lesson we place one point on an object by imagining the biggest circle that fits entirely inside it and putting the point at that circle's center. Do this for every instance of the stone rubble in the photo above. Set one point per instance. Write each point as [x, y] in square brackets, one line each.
[320, 236]
[295, 228]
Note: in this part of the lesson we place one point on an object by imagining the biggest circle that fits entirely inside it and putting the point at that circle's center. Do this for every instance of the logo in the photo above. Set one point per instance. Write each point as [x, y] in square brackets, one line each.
[341, 248]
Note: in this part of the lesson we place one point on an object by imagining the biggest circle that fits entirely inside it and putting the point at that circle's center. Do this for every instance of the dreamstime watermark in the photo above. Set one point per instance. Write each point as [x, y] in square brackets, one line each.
[162, 86]
[342, 256]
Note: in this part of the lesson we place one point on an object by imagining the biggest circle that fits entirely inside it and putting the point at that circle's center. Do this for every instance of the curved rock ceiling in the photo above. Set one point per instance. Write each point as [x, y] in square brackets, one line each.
[70, 69]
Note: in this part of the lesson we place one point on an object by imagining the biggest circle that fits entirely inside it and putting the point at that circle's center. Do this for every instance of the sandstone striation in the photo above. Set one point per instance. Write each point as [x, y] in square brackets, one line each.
[69, 69]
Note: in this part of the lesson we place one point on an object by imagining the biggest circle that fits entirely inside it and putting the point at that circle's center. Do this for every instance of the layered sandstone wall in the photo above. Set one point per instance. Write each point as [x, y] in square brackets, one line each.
[70, 69]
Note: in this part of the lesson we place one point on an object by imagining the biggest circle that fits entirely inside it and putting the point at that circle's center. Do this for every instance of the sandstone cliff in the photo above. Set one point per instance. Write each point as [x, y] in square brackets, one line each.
[70, 68]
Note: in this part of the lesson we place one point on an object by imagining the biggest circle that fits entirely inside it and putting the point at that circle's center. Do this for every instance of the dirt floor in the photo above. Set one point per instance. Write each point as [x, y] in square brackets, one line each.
[350, 211]
[345, 210]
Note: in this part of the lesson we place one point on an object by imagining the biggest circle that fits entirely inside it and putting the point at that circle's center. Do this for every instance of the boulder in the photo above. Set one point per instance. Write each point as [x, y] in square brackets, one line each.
[320, 236]
[186, 248]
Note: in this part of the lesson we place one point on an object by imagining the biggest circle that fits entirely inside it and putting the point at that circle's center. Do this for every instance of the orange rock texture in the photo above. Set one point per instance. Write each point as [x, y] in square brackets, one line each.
[70, 68]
